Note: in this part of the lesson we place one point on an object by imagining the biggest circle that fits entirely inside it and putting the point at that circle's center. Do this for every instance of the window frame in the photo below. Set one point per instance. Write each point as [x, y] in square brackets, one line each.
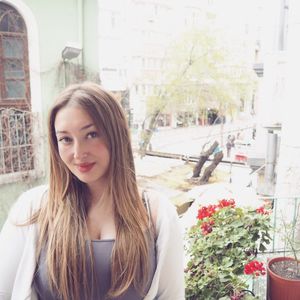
[20, 104]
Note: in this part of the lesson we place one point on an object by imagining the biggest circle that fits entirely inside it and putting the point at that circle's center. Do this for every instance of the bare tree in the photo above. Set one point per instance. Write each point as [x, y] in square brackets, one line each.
[208, 171]
[204, 155]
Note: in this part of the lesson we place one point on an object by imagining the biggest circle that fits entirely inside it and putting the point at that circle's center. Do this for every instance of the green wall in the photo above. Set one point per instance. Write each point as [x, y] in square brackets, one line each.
[58, 25]
[90, 36]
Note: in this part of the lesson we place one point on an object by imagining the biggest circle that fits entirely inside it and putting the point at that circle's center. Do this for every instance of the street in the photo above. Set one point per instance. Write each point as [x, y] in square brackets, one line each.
[190, 140]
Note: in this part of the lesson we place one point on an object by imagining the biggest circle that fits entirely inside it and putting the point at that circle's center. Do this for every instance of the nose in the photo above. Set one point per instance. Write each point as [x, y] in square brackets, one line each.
[79, 151]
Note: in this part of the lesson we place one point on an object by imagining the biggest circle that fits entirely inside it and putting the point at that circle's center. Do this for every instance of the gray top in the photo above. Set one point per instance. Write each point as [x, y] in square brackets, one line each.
[102, 250]
[102, 258]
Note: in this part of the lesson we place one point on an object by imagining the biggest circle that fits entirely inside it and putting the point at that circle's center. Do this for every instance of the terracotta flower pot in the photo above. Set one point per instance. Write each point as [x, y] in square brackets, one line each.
[279, 288]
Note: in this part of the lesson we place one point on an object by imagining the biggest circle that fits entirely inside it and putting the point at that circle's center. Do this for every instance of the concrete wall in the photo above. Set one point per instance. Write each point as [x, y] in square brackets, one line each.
[288, 181]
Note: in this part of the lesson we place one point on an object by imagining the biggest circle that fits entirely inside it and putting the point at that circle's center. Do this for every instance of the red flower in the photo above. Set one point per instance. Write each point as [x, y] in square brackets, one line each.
[255, 268]
[206, 228]
[225, 203]
[261, 210]
[206, 211]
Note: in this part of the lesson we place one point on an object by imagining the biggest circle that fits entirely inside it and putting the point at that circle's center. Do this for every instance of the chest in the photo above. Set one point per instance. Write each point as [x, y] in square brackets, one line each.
[101, 225]
[99, 273]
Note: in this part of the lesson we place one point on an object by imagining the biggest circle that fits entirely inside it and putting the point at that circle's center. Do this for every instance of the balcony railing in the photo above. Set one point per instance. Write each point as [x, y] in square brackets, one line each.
[16, 145]
[285, 210]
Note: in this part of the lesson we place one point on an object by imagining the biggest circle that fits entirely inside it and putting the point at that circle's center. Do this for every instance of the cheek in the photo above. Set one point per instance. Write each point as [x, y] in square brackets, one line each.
[107, 156]
[63, 154]
[104, 152]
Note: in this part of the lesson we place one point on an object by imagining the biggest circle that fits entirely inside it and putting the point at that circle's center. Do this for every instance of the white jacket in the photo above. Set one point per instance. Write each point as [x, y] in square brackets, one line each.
[18, 261]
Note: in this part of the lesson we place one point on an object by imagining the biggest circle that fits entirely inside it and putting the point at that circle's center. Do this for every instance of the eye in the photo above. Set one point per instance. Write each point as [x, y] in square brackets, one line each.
[92, 135]
[64, 140]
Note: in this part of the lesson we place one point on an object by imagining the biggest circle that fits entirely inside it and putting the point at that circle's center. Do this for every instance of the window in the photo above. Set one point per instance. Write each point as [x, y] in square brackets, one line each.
[15, 141]
[14, 73]
[16, 149]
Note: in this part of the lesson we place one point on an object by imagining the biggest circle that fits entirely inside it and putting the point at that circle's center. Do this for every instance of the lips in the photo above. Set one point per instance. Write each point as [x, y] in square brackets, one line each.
[86, 167]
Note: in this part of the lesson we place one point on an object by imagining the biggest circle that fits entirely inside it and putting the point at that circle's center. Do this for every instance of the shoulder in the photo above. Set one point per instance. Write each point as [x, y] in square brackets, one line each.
[161, 207]
[27, 203]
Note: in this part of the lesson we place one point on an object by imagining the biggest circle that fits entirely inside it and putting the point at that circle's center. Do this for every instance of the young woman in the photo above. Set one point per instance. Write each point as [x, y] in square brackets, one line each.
[90, 234]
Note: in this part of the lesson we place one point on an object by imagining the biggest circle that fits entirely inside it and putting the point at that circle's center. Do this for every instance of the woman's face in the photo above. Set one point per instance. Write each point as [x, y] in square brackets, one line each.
[81, 146]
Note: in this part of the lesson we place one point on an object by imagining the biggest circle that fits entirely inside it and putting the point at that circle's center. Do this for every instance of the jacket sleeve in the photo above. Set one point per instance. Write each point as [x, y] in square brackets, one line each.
[14, 239]
[170, 254]
[12, 242]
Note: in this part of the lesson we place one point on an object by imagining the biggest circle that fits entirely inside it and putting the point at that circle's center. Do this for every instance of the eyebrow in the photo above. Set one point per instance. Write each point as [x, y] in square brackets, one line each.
[81, 129]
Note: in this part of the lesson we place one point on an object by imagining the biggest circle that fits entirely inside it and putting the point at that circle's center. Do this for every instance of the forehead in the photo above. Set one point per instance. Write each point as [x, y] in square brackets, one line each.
[72, 117]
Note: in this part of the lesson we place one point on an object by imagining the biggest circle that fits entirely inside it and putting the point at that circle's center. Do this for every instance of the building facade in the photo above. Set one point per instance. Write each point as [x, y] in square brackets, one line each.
[135, 35]
[43, 46]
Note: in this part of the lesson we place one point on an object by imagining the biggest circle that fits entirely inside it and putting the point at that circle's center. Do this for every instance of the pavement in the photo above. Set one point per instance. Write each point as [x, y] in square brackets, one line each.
[238, 188]
[150, 166]
[190, 140]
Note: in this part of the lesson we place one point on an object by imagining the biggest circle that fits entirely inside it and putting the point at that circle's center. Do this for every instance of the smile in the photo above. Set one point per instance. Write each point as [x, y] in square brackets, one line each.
[86, 167]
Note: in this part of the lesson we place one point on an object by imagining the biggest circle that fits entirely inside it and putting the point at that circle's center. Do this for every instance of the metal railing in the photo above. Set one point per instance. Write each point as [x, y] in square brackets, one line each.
[16, 144]
[278, 246]
[279, 205]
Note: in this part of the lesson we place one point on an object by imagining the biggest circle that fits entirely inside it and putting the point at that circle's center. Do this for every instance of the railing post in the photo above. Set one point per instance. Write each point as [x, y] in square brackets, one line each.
[295, 217]
[275, 205]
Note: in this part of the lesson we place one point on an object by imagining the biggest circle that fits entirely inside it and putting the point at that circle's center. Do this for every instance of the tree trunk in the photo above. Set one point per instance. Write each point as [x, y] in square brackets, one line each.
[221, 116]
[147, 133]
[208, 171]
[203, 158]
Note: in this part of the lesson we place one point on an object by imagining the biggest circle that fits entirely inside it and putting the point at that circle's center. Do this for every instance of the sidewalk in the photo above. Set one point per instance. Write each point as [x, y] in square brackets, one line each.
[173, 140]
[151, 166]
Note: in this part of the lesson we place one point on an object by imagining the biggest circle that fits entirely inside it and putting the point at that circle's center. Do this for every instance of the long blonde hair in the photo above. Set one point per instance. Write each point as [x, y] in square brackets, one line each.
[62, 220]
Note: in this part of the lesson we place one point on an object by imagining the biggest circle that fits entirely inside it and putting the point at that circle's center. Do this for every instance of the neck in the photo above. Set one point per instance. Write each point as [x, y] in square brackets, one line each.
[100, 198]
[97, 191]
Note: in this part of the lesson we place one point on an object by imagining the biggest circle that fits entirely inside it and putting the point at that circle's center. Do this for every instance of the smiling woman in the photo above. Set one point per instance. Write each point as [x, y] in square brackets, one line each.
[82, 147]
[91, 234]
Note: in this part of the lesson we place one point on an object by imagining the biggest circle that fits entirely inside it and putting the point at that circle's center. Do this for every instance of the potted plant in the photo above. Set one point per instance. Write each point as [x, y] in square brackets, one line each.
[222, 248]
[283, 279]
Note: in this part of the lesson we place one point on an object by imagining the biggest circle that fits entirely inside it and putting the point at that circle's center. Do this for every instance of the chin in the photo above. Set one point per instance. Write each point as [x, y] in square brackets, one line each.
[91, 180]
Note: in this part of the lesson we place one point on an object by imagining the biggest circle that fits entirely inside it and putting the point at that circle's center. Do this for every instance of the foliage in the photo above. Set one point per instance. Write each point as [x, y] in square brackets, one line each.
[210, 74]
[199, 72]
[222, 247]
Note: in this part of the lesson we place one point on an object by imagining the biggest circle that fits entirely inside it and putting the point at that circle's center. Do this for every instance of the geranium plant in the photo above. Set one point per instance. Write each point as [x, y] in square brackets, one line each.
[222, 248]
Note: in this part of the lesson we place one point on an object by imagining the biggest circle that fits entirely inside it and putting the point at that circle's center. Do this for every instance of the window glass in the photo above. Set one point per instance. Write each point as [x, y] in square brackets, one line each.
[13, 69]
[13, 47]
[15, 89]
[10, 20]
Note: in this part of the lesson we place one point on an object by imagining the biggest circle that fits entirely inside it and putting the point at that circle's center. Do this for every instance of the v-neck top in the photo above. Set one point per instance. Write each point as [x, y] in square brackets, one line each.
[102, 250]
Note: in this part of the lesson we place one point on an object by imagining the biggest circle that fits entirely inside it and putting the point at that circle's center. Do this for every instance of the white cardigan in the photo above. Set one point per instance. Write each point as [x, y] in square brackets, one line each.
[18, 261]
